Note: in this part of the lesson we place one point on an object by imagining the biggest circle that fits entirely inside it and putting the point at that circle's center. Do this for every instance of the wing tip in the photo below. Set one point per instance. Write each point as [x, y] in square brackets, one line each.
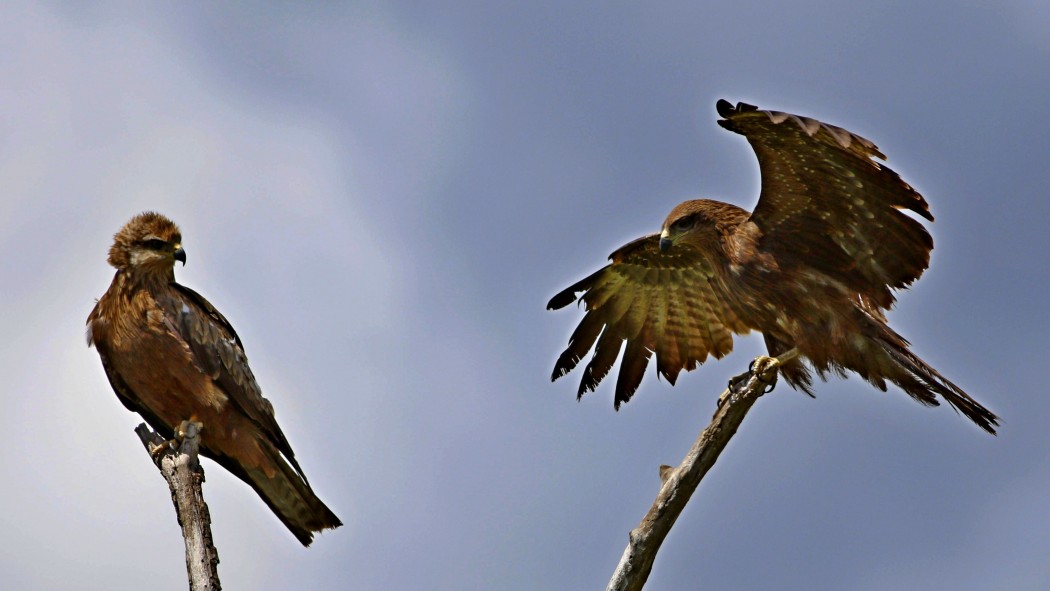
[844, 138]
[622, 397]
[562, 299]
[727, 110]
[587, 384]
[565, 364]
[724, 108]
[568, 295]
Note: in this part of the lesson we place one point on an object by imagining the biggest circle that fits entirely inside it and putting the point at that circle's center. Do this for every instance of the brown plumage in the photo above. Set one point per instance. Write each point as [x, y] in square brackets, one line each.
[813, 268]
[171, 356]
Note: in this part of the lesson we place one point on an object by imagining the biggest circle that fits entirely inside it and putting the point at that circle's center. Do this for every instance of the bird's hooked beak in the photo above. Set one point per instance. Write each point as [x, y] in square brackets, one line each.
[180, 254]
[665, 241]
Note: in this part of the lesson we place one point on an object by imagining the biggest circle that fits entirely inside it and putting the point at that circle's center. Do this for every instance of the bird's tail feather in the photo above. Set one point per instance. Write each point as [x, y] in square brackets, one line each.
[286, 494]
[923, 382]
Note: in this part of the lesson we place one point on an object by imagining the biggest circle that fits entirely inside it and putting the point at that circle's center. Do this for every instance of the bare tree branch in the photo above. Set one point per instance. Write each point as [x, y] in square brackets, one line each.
[679, 483]
[184, 475]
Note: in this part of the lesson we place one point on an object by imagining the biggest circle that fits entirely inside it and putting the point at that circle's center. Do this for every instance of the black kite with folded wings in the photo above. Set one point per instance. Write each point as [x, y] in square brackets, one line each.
[171, 357]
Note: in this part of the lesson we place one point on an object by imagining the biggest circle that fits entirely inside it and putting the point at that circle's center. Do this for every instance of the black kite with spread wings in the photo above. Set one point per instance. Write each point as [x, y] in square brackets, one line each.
[813, 268]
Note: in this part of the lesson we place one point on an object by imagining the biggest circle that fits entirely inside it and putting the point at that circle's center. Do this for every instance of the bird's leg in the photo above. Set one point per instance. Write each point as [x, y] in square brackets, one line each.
[762, 367]
[766, 368]
[185, 430]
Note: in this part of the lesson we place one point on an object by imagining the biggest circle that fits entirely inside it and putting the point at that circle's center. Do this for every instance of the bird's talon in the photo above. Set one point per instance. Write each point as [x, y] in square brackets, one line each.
[766, 369]
[184, 430]
[737, 383]
[157, 450]
[188, 428]
[724, 396]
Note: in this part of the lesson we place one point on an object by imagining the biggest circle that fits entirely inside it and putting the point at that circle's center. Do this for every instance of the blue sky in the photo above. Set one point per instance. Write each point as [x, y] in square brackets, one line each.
[382, 197]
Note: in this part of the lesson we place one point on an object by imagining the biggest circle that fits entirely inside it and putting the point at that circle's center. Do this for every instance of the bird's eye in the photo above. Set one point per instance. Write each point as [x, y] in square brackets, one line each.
[683, 224]
[154, 243]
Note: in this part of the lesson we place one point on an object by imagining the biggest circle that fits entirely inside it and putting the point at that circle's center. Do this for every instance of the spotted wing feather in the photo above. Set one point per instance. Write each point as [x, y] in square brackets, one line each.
[827, 202]
[673, 305]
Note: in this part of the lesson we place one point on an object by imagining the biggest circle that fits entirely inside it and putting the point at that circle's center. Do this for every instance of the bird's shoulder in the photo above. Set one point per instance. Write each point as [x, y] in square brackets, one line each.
[128, 311]
[200, 315]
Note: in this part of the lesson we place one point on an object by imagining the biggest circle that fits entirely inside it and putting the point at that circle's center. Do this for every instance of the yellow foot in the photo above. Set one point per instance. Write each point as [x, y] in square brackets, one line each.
[155, 451]
[764, 368]
[190, 428]
[185, 429]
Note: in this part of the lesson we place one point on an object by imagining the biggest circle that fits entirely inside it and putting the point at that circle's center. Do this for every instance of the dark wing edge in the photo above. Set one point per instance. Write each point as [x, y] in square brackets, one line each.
[568, 295]
[220, 352]
[644, 303]
[826, 199]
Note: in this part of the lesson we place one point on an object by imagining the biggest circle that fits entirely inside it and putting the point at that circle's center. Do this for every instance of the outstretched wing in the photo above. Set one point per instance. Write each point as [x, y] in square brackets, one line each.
[218, 350]
[826, 203]
[675, 304]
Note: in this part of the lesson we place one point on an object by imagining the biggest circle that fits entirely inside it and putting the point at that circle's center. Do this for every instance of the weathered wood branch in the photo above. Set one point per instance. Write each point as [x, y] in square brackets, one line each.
[679, 483]
[182, 471]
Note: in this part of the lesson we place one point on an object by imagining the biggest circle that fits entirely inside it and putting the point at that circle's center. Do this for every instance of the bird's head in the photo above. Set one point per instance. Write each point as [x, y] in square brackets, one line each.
[148, 243]
[683, 221]
[700, 223]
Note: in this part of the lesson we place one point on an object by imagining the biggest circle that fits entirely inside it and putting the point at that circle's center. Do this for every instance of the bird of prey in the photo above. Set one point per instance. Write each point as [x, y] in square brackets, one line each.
[813, 268]
[172, 357]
